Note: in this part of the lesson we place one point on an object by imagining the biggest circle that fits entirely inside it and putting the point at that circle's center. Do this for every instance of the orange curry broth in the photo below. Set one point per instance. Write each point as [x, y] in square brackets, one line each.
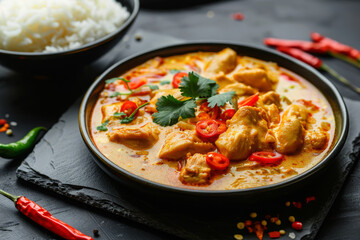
[240, 174]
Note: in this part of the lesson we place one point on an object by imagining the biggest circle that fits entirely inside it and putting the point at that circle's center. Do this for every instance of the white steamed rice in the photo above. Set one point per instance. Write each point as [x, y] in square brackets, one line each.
[56, 25]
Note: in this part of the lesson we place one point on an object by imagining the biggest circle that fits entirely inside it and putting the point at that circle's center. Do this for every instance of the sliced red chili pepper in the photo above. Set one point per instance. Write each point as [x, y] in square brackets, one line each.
[289, 78]
[228, 114]
[250, 101]
[128, 107]
[310, 199]
[217, 161]
[177, 79]
[266, 157]
[221, 126]
[2, 122]
[274, 234]
[213, 112]
[203, 116]
[296, 225]
[134, 84]
[5, 127]
[207, 129]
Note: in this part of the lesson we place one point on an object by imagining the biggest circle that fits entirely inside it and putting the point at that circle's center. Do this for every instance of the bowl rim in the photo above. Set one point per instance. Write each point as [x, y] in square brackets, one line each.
[105, 162]
[86, 46]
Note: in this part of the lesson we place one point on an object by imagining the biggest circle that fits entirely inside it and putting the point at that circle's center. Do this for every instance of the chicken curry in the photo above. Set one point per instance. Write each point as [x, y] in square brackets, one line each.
[212, 120]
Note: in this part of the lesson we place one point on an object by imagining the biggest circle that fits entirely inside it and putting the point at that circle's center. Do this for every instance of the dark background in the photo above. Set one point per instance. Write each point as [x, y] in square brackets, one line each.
[32, 101]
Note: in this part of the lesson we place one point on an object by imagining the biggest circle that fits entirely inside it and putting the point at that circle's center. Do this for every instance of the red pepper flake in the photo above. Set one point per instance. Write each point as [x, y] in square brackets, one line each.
[297, 204]
[268, 216]
[296, 225]
[274, 234]
[2, 121]
[309, 199]
[237, 16]
[259, 230]
[248, 223]
[4, 126]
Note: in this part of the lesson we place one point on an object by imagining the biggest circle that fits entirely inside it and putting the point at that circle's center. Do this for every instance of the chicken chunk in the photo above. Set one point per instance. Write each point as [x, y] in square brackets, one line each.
[239, 88]
[247, 132]
[290, 135]
[270, 102]
[223, 61]
[316, 139]
[136, 137]
[255, 77]
[179, 143]
[196, 170]
[109, 110]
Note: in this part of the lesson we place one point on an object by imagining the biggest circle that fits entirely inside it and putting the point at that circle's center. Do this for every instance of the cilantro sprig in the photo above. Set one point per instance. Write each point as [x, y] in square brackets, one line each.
[195, 87]
[130, 118]
[103, 126]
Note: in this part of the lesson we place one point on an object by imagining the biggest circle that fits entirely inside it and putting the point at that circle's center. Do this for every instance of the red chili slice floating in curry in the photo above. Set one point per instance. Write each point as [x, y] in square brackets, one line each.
[137, 83]
[217, 161]
[213, 113]
[209, 129]
[266, 157]
[250, 101]
[128, 107]
[177, 79]
[227, 114]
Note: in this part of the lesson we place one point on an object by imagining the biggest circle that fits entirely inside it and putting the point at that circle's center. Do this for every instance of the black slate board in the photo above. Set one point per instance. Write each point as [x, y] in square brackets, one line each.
[61, 163]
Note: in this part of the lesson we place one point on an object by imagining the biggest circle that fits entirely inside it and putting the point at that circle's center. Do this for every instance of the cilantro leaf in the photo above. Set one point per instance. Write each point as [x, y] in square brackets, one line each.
[103, 127]
[115, 94]
[220, 99]
[119, 114]
[197, 86]
[127, 119]
[111, 80]
[170, 110]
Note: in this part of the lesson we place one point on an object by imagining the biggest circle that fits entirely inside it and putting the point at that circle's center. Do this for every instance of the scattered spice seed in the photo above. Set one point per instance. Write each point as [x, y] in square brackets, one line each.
[253, 215]
[210, 14]
[240, 225]
[273, 220]
[274, 234]
[282, 232]
[238, 16]
[14, 124]
[138, 38]
[238, 237]
[267, 217]
[96, 232]
[297, 204]
[296, 225]
[264, 222]
[7, 115]
[292, 219]
[292, 235]
[278, 222]
[9, 132]
[309, 199]
[287, 204]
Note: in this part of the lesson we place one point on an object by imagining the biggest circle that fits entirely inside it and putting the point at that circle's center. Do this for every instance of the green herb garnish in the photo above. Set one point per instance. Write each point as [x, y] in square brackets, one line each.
[115, 94]
[174, 71]
[165, 82]
[119, 114]
[153, 87]
[103, 127]
[111, 80]
[130, 118]
[196, 87]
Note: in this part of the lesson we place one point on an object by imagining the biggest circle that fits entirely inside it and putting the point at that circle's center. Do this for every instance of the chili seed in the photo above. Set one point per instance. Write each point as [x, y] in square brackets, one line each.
[292, 235]
[238, 237]
[292, 219]
[272, 220]
[253, 215]
[96, 232]
[264, 222]
[240, 225]
[287, 204]
[278, 222]
[9, 132]
[282, 232]
[138, 38]
[210, 14]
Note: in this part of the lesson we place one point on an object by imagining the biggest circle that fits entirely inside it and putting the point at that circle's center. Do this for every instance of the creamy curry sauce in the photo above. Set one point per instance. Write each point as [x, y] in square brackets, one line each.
[317, 132]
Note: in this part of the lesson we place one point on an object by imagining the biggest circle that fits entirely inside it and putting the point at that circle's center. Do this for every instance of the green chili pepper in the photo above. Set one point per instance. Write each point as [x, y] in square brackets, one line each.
[21, 147]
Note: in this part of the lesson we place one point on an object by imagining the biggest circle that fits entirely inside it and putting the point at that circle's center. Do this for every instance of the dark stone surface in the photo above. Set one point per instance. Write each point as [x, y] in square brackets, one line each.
[38, 101]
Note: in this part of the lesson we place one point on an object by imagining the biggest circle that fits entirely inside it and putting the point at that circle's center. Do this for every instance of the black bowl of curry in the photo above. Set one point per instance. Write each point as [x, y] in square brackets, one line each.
[213, 119]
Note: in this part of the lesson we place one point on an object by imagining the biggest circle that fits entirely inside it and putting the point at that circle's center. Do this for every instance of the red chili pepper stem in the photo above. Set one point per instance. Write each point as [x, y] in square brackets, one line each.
[345, 58]
[336, 75]
[9, 196]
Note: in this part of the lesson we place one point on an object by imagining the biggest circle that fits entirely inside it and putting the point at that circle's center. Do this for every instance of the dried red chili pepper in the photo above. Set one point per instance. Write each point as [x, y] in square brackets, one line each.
[297, 204]
[238, 16]
[332, 45]
[316, 63]
[274, 234]
[303, 45]
[44, 218]
[310, 199]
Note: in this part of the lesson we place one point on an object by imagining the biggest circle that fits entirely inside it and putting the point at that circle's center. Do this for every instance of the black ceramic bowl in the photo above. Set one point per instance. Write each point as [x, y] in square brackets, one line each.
[122, 175]
[45, 63]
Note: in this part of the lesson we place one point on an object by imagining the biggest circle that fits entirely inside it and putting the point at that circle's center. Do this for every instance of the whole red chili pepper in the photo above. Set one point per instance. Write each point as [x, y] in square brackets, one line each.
[44, 218]
[303, 45]
[316, 63]
[333, 45]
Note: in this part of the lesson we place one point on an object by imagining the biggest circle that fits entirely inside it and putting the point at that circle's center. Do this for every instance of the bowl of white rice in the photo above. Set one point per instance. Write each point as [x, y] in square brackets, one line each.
[41, 36]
